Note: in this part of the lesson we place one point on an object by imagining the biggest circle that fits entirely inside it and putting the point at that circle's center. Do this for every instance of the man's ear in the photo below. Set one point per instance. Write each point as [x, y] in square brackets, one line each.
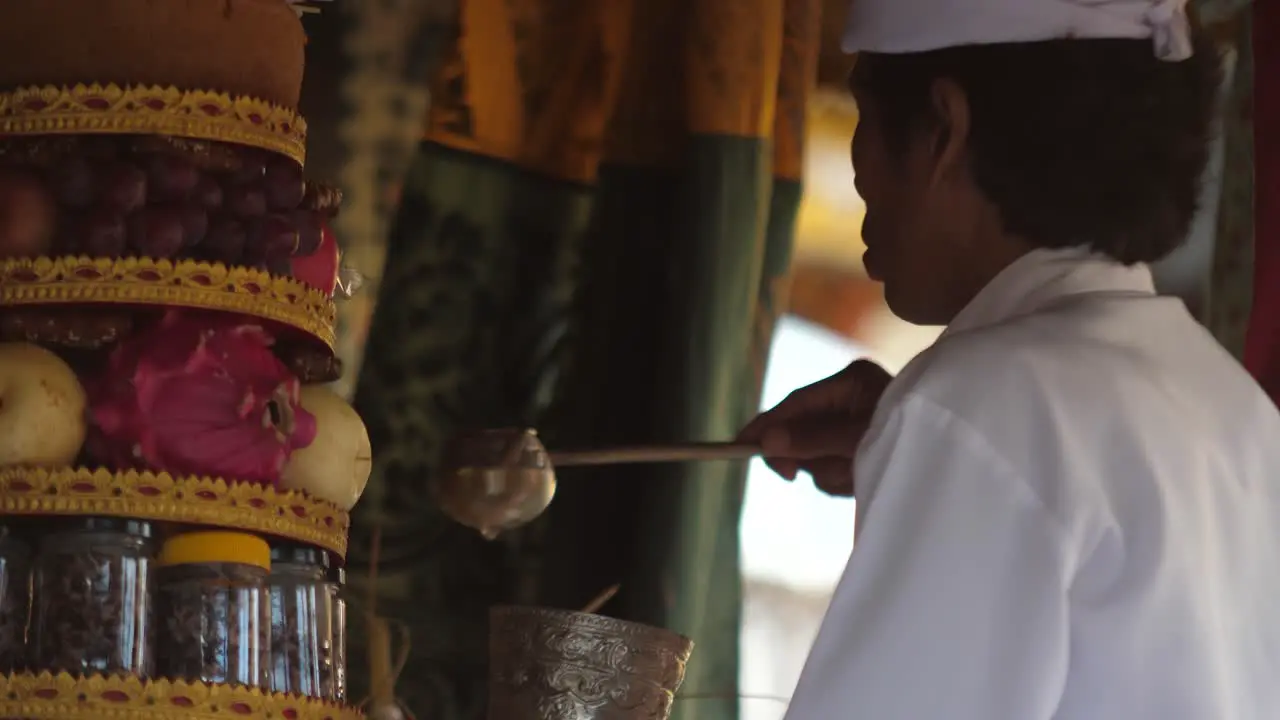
[950, 133]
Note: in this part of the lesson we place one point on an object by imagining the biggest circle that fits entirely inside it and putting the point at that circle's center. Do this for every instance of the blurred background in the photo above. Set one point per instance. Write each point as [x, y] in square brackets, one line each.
[629, 221]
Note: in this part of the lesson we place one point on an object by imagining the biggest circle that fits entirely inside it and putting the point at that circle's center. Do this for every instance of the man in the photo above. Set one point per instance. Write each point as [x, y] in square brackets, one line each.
[1069, 506]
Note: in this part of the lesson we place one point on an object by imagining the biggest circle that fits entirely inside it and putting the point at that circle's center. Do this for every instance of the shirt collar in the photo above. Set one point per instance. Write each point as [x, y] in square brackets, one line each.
[1042, 277]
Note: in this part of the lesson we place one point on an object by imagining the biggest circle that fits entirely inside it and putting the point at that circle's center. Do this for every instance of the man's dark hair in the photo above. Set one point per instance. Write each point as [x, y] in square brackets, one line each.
[1077, 142]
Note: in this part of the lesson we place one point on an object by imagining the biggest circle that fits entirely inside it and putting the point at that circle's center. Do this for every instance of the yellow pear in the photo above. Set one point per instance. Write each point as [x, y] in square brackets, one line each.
[336, 465]
[42, 407]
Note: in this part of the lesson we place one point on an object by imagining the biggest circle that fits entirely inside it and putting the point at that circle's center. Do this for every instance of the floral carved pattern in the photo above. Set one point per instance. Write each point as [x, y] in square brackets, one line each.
[558, 665]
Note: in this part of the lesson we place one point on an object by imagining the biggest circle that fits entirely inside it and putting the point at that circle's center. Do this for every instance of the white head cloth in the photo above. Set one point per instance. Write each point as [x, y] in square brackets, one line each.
[906, 26]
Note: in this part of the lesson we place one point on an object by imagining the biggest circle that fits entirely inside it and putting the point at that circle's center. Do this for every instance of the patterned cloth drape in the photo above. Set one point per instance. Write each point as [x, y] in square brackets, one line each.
[590, 240]
[365, 98]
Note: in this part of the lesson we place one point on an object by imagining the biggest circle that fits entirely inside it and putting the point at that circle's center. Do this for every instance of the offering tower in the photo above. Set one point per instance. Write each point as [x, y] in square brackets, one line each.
[175, 476]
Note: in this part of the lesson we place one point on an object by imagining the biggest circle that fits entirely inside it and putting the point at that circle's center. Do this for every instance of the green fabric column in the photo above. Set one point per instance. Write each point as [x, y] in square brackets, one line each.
[661, 356]
[675, 314]
[797, 81]
[726, 215]
[779, 240]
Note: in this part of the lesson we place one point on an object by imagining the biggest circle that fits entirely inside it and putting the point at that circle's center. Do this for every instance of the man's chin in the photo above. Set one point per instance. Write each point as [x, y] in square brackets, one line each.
[908, 308]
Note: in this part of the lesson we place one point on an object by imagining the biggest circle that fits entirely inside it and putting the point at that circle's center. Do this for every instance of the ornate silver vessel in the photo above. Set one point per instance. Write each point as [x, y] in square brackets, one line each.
[562, 665]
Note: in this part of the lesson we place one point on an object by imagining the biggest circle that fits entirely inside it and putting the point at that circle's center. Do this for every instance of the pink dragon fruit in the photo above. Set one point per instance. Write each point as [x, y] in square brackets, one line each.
[198, 394]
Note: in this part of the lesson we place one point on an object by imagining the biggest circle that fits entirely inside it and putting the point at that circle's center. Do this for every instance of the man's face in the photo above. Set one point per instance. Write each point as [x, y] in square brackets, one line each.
[909, 228]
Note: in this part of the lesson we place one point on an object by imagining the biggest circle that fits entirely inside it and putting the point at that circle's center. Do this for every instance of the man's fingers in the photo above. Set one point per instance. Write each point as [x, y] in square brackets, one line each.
[797, 403]
[750, 435]
[852, 392]
[817, 428]
[833, 476]
[822, 447]
[830, 436]
[786, 468]
[824, 397]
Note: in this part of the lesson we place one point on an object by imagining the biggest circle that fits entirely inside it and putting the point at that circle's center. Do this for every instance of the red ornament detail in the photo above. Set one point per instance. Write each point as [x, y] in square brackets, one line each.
[320, 268]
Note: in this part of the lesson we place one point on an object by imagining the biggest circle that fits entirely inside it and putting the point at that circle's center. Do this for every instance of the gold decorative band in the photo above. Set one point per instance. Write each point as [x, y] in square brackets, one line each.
[184, 283]
[142, 110]
[161, 497]
[63, 697]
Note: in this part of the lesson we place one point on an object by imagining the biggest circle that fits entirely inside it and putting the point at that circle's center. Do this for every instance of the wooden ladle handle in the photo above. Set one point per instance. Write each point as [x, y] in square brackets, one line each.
[684, 452]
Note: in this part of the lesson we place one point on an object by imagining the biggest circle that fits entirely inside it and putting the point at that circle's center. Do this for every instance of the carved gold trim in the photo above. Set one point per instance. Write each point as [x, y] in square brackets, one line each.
[182, 283]
[63, 697]
[161, 497]
[153, 110]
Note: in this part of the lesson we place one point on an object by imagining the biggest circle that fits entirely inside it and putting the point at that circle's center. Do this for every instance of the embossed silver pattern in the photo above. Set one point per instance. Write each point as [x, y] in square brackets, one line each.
[561, 665]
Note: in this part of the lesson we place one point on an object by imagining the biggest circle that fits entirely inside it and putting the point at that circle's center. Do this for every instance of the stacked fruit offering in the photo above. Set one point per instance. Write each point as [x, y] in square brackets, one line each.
[175, 478]
[168, 199]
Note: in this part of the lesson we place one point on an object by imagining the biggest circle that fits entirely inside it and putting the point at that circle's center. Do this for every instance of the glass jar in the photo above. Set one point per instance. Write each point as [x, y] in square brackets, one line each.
[301, 624]
[212, 598]
[337, 659]
[90, 602]
[15, 599]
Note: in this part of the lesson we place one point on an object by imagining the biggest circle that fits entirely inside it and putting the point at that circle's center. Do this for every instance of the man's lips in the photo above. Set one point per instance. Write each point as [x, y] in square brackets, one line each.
[869, 259]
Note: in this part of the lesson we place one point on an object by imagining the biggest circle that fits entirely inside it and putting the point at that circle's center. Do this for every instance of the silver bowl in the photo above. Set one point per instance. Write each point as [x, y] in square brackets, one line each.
[562, 665]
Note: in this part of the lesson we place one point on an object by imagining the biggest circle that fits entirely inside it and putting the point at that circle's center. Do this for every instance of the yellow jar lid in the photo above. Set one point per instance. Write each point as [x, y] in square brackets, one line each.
[216, 547]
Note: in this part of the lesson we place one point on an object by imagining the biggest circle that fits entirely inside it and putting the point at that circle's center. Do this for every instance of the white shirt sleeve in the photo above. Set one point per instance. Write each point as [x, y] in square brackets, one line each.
[954, 602]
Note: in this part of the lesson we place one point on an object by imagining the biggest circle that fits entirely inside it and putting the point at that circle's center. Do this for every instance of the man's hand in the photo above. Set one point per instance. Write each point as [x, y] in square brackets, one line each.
[817, 428]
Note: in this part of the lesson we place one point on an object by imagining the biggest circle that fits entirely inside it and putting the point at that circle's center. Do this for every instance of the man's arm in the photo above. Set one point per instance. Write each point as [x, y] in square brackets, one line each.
[954, 602]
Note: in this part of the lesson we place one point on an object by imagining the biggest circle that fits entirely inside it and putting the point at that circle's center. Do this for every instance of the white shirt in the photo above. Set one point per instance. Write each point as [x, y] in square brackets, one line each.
[1068, 508]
